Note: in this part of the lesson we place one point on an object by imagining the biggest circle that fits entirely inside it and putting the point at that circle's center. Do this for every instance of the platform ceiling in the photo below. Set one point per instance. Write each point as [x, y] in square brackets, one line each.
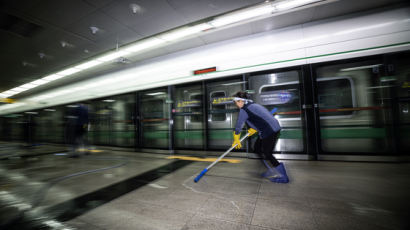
[40, 37]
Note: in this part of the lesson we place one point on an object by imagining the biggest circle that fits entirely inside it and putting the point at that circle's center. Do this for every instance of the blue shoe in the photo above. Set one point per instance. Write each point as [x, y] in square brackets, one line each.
[283, 176]
[268, 174]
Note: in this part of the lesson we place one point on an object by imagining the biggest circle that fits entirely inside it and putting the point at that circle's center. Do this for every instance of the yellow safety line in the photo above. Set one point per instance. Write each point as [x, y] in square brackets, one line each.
[90, 150]
[203, 159]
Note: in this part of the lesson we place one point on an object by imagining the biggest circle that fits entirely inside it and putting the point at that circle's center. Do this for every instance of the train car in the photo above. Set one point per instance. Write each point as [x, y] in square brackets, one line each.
[341, 87]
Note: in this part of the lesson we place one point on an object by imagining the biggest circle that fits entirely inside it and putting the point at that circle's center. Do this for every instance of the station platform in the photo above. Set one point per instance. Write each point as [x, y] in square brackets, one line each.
[133, 190]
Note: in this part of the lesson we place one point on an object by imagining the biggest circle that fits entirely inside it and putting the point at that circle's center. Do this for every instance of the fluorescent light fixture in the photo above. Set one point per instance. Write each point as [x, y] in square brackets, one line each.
[50, 110]
[144, 44]
[361, 67]
[39, 82]
[112, 56]
[155, 94]
[88, 65]
[68, 71]
[28, 86]
[19, 89]
[242, 15]
[52, 77]
[10, 92]
[109, 100]
[286, 5]
[184, 32]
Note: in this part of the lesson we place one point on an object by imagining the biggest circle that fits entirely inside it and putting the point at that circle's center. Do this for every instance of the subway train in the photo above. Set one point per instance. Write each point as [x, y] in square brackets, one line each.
[341, 87]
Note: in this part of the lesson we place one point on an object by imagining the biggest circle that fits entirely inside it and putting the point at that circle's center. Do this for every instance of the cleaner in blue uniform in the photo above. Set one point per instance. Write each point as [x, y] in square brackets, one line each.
[260, 120]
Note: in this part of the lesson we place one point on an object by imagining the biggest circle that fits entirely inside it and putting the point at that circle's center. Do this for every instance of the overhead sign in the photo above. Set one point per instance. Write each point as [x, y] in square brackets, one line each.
[202, 71]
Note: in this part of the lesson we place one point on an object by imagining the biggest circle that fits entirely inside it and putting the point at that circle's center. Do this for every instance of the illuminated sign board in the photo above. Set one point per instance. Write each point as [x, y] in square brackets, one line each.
[202, 71]
[222, 100]
[188, 103]
[277, 97]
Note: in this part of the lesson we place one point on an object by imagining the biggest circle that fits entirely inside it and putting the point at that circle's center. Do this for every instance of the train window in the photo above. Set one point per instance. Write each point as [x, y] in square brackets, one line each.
[218, 111]
[284, 97]
[197, 110]
[334, 95]
[153, 108]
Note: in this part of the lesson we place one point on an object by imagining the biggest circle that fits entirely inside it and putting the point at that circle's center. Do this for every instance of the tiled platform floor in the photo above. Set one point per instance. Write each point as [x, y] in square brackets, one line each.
[321, 195]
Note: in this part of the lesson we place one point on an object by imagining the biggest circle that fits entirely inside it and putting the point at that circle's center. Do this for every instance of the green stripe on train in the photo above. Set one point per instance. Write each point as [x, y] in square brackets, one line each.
[115, 134]
[373, 133]
[328, 133]
[215, 134]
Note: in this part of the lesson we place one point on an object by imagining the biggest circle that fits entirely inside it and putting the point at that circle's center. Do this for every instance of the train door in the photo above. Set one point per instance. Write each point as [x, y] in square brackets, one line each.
[101, 117]
[188, 117]
[282, 91]
[123, 129]
[397, 80]
[354, 109]
[222, 113]
[154, 119]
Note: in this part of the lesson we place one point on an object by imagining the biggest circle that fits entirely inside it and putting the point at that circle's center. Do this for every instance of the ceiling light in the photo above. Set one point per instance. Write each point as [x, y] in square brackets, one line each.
[6, 94]
[185, 31]
[286, 5]
[10, 92]
[19, 89]
[144, 44]
[112, 56]
[88, 65]
[39, 82]
[52, 77]
[68, 71]
[29, 86]
[242, 15]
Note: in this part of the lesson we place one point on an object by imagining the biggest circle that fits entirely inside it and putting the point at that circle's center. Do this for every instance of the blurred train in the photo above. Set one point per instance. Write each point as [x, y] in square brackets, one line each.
[342, 92]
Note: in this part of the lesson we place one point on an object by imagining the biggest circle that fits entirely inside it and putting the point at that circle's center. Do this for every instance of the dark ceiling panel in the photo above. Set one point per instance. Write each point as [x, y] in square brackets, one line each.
[69, 22]
[157, 16]
[18, 26]
[107, 27]
[20, 5]
[98, 3]
[60, 13]
[197, 10]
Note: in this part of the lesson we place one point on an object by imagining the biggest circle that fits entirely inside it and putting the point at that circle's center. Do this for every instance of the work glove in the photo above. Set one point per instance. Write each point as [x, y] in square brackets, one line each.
[252, 131]
[236, 141]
